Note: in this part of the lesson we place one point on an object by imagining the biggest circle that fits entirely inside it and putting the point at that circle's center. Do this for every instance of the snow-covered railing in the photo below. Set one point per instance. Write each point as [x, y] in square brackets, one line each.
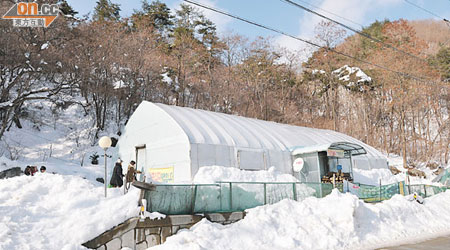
[239, 196]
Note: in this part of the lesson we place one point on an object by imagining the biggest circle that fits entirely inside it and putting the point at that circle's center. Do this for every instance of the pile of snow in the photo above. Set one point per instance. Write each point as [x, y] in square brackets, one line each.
[213, 174]
[51, 211]
[374, 176]
[338, 221]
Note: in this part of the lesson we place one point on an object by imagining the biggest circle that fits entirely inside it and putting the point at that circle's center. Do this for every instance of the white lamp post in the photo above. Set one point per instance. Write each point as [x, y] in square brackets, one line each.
[105, 142]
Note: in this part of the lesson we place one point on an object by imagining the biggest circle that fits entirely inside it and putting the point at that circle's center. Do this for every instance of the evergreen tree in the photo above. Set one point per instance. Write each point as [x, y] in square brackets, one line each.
[66, 9]
[159, 14]
[156, 15]
[190, 22]
[375, 30]
[106, 11]
[442, 61]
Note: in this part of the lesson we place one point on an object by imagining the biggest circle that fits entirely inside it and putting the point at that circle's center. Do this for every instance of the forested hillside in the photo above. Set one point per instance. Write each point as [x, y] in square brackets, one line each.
[399, 103]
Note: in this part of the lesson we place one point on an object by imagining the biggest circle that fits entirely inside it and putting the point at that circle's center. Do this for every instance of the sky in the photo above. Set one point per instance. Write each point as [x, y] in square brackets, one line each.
[290, 19]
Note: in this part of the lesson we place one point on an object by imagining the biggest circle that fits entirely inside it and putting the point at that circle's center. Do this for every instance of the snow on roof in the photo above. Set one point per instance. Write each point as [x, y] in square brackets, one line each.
[206, 127]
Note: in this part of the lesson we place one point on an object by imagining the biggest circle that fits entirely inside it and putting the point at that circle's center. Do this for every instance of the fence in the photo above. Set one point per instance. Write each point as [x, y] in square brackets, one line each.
[238, 196]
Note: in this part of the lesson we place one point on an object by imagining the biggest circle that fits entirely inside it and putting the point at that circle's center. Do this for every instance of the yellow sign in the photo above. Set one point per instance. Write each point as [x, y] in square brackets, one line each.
[164, 175]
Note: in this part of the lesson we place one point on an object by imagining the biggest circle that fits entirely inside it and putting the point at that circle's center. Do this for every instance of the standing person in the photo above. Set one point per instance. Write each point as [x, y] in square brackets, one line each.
[131, 172]
[131, 175]
[117, 176]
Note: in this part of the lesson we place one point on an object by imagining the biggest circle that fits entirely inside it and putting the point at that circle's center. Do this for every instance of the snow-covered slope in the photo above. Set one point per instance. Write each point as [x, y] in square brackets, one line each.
[62, 134]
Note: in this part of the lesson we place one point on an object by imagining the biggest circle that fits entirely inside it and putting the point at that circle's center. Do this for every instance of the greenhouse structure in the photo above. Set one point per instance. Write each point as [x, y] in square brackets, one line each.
[171, 143]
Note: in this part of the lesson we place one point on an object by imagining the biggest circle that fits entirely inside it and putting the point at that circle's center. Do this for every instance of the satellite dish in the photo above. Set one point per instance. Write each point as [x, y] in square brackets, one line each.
[298, 164]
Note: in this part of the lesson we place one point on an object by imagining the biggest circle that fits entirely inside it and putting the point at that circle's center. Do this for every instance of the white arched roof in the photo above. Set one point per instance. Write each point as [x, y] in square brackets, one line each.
[206, 127]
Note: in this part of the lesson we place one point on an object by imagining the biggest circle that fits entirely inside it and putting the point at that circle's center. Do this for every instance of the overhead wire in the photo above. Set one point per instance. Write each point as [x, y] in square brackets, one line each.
[354, 30]
[419, 7]
[331, 13]
[303, 40]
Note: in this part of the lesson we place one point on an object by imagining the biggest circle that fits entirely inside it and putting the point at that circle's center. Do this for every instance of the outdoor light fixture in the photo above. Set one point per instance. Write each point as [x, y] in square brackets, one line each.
[105, 142]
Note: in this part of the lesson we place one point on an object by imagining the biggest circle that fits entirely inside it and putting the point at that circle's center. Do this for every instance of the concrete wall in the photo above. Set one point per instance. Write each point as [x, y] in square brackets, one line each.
[139, 234]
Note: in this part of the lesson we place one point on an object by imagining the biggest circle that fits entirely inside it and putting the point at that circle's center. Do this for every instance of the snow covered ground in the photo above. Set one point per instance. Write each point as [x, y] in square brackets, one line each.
[53, 211]
[64, 210]
[338, 221]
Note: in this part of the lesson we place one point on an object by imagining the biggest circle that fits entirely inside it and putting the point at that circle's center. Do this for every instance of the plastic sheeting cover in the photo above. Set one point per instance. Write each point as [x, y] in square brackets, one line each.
[206, 127]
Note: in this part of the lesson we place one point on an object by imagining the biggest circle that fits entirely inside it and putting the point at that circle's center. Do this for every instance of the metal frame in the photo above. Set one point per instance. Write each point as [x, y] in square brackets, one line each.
[353, 148]
[143, 146]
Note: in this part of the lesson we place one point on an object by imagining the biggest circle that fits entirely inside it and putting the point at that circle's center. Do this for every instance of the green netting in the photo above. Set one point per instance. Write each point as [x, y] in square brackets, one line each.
[377, 193]
[368, 193]
[426, 190]
[445, 177]
[432, 190]
[419, 189]
[238, 196]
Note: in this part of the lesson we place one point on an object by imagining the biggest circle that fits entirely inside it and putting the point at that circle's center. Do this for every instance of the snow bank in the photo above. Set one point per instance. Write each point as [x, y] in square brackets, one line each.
[373, 177]
[50, 211]
[338, 221]
[212, 174]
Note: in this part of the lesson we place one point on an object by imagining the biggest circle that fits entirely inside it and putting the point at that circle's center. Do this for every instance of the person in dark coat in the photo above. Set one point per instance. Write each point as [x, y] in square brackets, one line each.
[27, 170]
[117, 176]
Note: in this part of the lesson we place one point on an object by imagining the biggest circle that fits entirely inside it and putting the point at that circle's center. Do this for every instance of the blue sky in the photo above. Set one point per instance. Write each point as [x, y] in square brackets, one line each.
[295, 21]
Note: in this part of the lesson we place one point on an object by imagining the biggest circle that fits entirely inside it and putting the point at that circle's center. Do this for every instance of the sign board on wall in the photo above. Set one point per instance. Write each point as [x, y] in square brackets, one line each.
[335, 153]
[164, 175]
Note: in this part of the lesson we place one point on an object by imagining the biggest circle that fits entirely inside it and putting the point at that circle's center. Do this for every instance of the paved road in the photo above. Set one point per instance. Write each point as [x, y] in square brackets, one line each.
[440, 243]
